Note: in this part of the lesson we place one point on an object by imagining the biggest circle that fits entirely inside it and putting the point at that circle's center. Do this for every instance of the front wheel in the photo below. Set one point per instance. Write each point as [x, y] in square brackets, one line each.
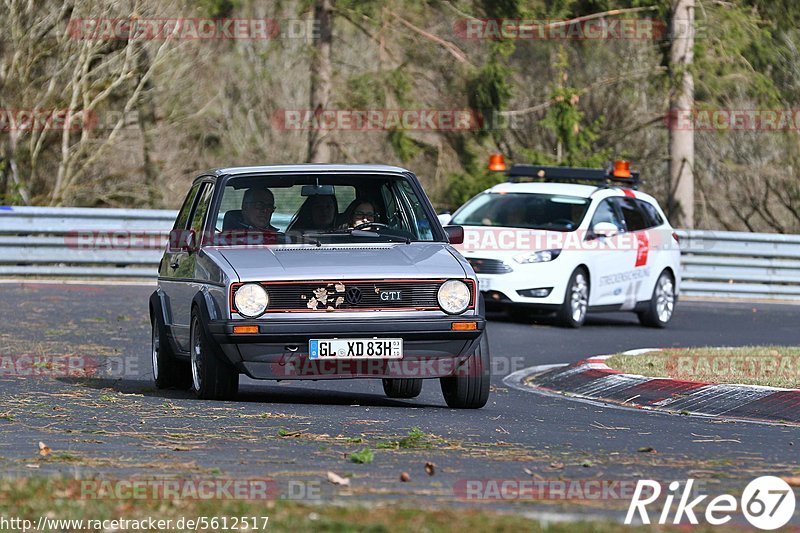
[470, 388]
[576, 300]
[404, 388]
[212, 377]
[661, 305]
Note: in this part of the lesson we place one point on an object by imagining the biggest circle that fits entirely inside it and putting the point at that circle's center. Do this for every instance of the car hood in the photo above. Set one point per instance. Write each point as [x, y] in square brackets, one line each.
[376, 261]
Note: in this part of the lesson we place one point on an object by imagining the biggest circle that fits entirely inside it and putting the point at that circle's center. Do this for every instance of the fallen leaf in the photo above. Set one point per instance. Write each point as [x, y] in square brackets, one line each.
[336, 479]
[44, 449]
[647, 449]
[430, 468]
[32, 466]
[528, 471]
[556, 466]
[404, 477]
[587, 464]
[793, 481]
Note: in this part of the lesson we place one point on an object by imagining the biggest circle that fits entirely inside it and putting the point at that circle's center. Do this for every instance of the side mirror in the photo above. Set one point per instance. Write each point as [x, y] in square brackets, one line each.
[183, 240]
[455, 234]
[605, 229]
[444, 218]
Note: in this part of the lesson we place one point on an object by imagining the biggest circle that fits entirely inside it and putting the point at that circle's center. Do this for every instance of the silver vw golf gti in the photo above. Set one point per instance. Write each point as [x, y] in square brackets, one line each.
[317, 272]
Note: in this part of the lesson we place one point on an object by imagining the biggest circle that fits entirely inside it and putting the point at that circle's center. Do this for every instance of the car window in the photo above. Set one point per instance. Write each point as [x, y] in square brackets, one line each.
[606, 212]
[200, 210]
[325, 208]
[635, 217]
[419, 224]
[186, 208]
[523, 210]
[652, 216]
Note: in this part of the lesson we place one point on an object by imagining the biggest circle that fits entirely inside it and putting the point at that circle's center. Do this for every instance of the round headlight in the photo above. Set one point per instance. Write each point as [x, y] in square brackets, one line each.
[454, 296]
[251, 300]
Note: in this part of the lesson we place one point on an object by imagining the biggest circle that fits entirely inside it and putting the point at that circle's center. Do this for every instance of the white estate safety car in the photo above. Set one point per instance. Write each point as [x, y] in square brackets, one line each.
[571, 241]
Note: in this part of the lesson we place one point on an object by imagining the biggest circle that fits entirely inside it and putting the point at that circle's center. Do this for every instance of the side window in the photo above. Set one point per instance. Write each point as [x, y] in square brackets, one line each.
[422, 228]
[186, 208]
[653, 217]
[607, 213]
[200, 210]
[635, 217]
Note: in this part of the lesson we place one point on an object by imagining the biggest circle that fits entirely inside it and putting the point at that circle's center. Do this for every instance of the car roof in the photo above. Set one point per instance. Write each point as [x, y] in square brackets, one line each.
[309, 167]
[570, 189]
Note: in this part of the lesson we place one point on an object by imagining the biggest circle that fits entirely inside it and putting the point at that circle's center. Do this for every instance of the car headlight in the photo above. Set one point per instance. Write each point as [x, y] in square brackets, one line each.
[251, 300]
[454, 296]
[542, 256]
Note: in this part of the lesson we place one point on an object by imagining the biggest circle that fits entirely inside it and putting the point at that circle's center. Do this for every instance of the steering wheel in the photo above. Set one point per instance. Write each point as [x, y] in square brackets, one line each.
[371, 224]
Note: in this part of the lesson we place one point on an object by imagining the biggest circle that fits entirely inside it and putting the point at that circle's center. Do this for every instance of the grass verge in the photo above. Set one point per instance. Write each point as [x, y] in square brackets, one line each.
[772, 366]
[31, 498]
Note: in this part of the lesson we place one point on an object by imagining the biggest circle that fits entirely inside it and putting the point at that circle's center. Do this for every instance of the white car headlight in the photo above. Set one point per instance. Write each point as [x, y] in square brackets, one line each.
[454, 296]
[251, 300]
[542, 256]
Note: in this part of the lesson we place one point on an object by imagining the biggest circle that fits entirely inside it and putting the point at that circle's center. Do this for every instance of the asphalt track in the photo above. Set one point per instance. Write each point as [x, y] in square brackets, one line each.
[118, 425]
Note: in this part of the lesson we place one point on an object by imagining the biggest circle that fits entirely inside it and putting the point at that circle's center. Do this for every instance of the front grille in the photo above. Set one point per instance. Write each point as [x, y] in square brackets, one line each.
[332, 296]
[489, 266]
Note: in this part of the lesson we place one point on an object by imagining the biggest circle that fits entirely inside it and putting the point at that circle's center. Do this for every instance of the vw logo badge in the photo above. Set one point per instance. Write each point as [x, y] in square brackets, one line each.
[353, 296]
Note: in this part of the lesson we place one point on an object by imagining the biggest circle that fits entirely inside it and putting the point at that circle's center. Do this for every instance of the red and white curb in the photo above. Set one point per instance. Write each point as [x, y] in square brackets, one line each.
[591, 379]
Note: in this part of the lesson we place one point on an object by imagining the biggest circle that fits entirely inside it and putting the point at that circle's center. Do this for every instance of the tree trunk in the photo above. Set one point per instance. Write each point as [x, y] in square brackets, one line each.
[681, 131]
[147, 119]
[319, 150]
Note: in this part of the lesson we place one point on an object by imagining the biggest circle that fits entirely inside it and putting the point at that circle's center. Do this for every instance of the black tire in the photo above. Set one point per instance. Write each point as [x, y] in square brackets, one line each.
[661, 306]
[470, 389]
[402, 387]
[572, 313]
[168, 371]
[213, 378]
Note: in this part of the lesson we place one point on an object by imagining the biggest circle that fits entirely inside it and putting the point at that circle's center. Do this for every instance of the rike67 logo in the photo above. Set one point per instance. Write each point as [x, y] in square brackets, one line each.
[768, 502]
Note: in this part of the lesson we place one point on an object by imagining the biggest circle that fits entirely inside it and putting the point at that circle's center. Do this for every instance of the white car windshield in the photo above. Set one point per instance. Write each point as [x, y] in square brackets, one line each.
[523, 210]
[309, 209]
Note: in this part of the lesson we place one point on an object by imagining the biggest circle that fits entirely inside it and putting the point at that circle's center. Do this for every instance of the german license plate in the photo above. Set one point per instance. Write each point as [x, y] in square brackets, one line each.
[355, 348]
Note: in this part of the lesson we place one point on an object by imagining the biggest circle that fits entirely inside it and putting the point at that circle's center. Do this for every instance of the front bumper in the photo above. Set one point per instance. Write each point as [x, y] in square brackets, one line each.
[431, 348]
[553, 274]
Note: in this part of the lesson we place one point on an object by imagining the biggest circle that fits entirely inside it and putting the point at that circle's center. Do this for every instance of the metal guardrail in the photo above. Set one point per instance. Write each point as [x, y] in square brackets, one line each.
[128, 243]
[82, 242]
[740, 265]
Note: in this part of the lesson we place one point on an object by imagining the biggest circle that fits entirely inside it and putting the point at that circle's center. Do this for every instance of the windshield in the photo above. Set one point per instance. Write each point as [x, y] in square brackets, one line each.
[523, 210]
[309, 209]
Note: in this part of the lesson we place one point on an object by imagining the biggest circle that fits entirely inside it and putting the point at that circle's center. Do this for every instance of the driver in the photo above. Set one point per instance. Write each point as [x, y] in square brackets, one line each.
[258, 205]
[363, 213]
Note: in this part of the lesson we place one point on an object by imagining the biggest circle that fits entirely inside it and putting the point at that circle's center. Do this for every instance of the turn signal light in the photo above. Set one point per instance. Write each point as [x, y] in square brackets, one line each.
[497, 163]
[464, 326]
[245, 329]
